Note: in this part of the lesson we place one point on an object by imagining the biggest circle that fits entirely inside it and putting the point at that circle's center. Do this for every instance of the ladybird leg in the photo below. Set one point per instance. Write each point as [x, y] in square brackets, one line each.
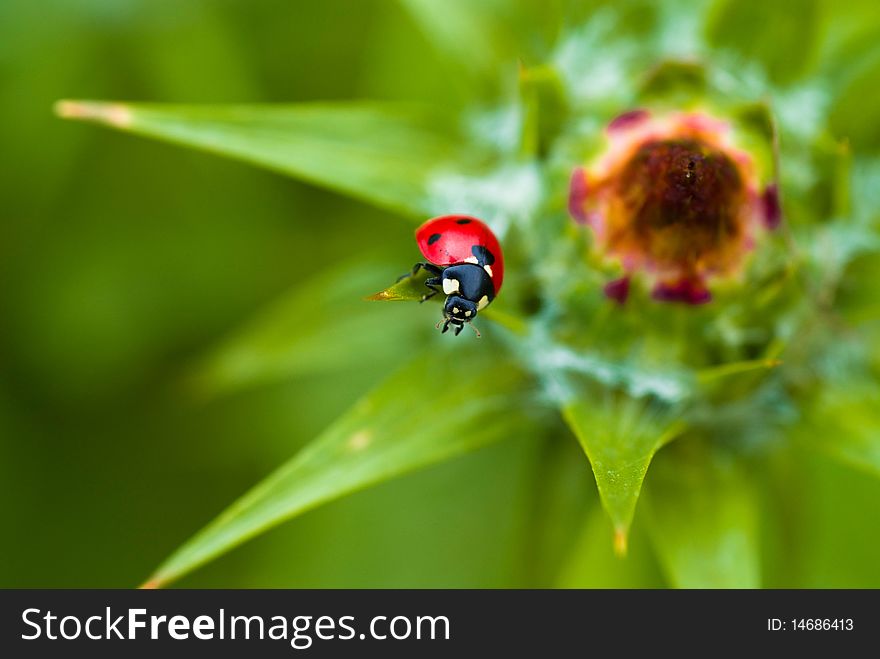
[435, 270]
[422, 265]
[458, 329]
[432, 283]
[445, 327]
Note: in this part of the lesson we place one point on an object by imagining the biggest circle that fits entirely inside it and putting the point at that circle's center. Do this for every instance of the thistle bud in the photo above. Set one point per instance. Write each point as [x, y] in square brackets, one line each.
[673, 197]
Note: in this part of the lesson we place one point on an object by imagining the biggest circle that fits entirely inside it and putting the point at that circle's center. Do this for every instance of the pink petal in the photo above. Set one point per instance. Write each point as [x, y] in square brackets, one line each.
[686, 290]
[627, 120]
[577, 196]
[770, 206]
[617, 290]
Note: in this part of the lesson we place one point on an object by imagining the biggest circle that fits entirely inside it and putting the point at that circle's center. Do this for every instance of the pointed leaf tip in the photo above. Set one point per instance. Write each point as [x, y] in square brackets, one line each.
[620, 436]
[407, 289]
[386, 154]
[591, 561]
[621, 539]
[381, 296]
[391, 295]
[113, 114]
[722, 371]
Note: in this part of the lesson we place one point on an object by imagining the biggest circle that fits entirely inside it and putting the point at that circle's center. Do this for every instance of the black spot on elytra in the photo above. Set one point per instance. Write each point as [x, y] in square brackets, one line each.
[433, 238]
[463, 221]
[484, 256]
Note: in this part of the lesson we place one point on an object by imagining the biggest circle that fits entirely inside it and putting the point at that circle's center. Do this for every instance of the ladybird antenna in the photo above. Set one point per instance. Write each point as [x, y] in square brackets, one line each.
[439, 323]
[475, 330]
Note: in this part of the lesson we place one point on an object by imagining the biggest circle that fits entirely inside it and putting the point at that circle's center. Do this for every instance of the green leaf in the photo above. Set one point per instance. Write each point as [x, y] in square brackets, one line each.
[458, 30]
[384, 154]
[845, 423]
[768, 32]
[674, 78]
[620, 436]
[703, 519]
[407, 289]
[281, 343]
[486, 38]
[830, 527]
[406, 423]
[556, 506]
[546, 108]
[721, 372]
[857, 102]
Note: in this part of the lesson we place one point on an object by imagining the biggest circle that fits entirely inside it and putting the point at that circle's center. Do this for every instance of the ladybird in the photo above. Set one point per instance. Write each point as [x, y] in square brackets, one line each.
[465, 261]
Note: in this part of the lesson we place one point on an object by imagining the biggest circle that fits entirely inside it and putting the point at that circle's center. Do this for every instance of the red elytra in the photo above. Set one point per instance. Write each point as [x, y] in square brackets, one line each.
[454, 239]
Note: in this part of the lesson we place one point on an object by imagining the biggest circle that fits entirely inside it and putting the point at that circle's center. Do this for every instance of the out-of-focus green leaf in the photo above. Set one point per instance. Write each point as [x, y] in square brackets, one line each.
[857, 104]
[323, 324]
[768, 32]
[485, 38]
[703, 519]
[620, 436]
[845, 423]
[408, 422]
[722, 372]
[383, 154]
[848, 34]
[461, 31]
[834, 527]
[561, 494]
[591, 562]
[545, 101]
[671, 78]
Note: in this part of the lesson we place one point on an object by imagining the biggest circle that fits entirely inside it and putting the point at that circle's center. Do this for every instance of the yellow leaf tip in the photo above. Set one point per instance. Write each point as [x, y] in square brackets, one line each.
[150, 584]
[113, 114]
[620, 541]
[386, 296]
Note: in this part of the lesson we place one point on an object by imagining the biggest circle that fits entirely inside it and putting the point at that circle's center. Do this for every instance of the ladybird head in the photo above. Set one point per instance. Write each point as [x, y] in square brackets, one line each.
[458, 311]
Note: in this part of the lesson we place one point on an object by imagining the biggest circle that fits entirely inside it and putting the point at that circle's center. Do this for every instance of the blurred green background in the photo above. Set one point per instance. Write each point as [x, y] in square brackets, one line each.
[122, 261]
